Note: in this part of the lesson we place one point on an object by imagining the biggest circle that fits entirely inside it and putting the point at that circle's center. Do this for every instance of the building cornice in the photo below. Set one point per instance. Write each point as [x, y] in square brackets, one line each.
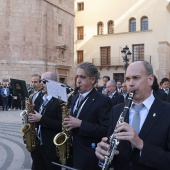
[164, 42]
[134, 32]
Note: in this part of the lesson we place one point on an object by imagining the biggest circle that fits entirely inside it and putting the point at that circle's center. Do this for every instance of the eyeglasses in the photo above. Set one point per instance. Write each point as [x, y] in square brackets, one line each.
[44, 81]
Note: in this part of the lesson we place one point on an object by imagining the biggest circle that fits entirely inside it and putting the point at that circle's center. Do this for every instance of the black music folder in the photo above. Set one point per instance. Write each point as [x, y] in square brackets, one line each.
[19, 88]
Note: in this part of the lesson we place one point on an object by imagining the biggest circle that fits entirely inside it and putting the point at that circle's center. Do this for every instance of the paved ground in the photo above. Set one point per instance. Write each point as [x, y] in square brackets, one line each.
[13, 154]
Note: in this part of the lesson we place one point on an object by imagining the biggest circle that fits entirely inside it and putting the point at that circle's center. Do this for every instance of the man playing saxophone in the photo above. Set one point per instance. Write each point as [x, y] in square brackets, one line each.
[144, 142]
[49, 121]
[89, 117]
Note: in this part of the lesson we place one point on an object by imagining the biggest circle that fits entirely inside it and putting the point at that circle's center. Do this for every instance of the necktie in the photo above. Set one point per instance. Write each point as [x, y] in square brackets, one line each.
[45, 102]
[136, 117]
[39, 129]
[80, 99]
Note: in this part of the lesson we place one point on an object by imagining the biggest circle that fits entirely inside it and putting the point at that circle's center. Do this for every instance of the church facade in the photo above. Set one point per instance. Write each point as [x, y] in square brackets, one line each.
[36, 36]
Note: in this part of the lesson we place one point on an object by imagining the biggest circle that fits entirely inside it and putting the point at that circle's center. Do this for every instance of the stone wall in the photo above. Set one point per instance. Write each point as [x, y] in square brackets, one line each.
[29, 37]
[163, 58]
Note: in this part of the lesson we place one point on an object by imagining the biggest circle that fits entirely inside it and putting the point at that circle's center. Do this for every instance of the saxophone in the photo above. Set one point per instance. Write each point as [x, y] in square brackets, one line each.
[113, 141]
[62, 140]
[29, 130]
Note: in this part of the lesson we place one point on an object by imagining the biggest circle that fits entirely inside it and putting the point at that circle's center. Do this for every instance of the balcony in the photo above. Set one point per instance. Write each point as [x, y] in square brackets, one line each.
[115, 62]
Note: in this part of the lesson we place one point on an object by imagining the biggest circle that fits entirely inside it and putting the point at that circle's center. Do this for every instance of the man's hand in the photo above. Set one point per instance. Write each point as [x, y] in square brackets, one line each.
[71, 122]
[126, 132]
[34, 117]
[101, 149]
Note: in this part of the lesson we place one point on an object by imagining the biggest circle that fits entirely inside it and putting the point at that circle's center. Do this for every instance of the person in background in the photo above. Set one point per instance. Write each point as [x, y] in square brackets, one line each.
[102, 89]
[119, 87]
[10, 96]
[0, 94]
[5, 96]
[115, 97]
[36, 86]
[89, 117]
[165, 88]
[157, 92]
[144, 138]
[124, 91]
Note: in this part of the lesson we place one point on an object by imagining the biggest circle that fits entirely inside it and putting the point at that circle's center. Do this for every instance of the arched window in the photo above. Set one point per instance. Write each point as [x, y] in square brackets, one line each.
[132, 24]
[100, 28]
[144, 23]
[110, 27]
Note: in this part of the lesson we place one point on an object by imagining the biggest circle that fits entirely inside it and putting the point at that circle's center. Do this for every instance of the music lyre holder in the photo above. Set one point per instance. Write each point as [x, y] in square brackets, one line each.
[19, 88]
[64, 166]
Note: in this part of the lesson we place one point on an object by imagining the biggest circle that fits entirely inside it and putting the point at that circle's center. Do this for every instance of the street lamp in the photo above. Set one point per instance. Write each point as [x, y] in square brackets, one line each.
[126, 55]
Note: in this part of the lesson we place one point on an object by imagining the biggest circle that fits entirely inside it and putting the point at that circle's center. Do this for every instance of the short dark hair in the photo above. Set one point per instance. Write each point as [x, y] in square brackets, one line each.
[106, 77]
[155, 85]
[164, 80]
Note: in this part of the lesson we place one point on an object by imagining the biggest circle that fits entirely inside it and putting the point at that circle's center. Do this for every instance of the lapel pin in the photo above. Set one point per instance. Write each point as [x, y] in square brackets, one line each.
[93, 99]
[154, 114]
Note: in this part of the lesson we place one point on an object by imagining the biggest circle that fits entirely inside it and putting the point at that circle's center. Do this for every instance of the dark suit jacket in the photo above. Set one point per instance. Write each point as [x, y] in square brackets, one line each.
[156, 136]
[51, 125]
[160, 94]
[117, 99]
[100, 89]
[95, 118]
[167, 95]
[38, 101]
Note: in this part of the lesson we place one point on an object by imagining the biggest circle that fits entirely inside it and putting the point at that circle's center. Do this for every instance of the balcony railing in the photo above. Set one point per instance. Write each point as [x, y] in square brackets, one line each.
[116, 61]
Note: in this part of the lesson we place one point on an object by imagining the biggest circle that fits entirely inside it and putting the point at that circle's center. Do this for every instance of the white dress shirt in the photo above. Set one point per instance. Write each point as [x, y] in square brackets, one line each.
[83, 97]
[143, 112]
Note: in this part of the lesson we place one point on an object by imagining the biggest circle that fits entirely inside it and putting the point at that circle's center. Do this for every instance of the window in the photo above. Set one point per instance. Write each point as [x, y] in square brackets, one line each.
[132, 24]
[118, 77]
[80, 6]
[110, 27]
[105, 55]
[80, 33]
[144, 23]
[60, 29]
[138, 52]
[79, 56]
[100, 28]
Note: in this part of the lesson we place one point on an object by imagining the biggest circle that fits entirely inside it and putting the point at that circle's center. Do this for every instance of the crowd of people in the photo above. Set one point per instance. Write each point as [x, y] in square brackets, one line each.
[94, 114]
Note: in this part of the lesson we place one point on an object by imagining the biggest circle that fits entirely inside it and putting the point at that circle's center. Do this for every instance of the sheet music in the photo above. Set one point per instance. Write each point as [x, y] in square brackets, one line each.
[57, 90]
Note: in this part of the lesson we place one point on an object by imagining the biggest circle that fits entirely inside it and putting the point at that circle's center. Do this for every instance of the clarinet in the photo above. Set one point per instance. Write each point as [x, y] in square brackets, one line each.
[113, 142]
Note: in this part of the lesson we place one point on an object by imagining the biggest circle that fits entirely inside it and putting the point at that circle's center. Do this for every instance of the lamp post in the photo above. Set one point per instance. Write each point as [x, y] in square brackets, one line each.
[126, 55]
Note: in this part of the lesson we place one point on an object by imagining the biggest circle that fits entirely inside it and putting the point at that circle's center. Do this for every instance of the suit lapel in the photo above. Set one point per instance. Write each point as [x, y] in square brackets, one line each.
[152, 118]
[115, 95]
[48, 105]
[89, 102]
[73, 104]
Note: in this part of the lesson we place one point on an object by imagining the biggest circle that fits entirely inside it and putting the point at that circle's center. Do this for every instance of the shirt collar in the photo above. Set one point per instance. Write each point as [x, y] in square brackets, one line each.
[111, 95]
[48, 97]
[86, 93]
[148, 102]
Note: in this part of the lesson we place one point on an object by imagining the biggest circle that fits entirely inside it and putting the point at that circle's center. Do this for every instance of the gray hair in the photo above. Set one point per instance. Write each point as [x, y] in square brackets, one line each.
[90, 69]
[148, 67]
[112, 82]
